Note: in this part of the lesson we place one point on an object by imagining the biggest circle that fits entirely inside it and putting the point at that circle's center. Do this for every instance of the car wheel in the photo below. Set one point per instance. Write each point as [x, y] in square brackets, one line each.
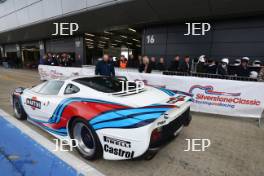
[88, 144]
[18, 110]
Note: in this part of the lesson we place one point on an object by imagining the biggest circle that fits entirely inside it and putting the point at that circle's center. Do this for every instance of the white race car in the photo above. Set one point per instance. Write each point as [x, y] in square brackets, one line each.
[102, 118]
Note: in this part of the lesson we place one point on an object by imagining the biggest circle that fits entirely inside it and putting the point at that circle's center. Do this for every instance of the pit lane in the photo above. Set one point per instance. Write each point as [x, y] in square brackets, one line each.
[237, 145]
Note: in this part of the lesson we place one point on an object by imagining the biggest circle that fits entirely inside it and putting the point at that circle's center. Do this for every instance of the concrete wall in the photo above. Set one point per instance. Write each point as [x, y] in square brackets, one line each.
[20, 13]
[232, 39]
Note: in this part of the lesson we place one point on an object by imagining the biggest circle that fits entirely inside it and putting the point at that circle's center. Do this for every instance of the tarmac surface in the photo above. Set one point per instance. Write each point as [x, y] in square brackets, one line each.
[237, 144]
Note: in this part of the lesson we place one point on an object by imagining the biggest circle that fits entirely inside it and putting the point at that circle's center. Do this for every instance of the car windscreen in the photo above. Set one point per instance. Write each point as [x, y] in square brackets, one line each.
[106, 84]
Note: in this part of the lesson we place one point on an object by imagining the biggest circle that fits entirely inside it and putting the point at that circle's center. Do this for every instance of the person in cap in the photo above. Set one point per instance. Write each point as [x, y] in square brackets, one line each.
[201, 67]
[243, 69]
[237, 62]
[223, 67]
[256, 63]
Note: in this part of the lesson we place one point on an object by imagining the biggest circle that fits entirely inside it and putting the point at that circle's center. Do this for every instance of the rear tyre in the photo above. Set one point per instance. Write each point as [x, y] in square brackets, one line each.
[88, 144]
[19, 112]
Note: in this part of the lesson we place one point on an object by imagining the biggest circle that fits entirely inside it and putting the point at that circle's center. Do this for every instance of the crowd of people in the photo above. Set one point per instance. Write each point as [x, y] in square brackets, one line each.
[243, 67]
[239, 68]
[203, 65]
[56, 59]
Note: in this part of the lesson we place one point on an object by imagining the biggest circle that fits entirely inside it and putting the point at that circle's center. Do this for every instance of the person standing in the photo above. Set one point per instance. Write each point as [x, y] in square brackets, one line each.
[70, 60]
[261, 74]
[145, 65]
[64, 60]
[105, 67]
[243, 69]
[123, 62]
[152, 63]
[211, 67]
[174, 66]
[54, 60]
[200, 67]
[132, 62]
[223, 67]
[139, 60]
[43, 60]
[185, 66]
[49, 59]
[161, 65]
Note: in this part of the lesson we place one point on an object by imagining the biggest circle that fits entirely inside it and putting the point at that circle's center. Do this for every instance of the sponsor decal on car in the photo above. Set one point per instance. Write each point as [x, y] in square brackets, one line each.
[115, 150]
[118, 152]
[161, 123]
[118, 142]
[33, 103]
[174, 100]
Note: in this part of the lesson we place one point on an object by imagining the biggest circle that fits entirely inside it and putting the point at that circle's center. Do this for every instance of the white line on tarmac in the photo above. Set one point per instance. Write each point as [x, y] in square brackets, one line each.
[81, 167]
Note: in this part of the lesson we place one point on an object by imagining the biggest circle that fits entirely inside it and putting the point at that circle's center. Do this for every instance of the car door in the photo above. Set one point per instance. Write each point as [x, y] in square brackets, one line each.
[40, 105]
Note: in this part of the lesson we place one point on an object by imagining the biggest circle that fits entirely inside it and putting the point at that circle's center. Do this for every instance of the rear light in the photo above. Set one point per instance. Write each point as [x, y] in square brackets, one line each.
[155, 135]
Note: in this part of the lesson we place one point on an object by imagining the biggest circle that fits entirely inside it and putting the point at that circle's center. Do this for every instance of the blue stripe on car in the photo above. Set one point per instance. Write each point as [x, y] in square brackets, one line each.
[128, 122]
[122, 113]
[61, 131]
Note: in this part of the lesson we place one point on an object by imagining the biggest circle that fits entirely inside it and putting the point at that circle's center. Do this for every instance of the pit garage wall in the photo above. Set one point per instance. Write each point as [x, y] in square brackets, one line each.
[232, 39]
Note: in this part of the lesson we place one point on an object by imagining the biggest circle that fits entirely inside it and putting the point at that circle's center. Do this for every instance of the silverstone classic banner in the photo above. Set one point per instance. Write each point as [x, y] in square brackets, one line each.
[216, 96]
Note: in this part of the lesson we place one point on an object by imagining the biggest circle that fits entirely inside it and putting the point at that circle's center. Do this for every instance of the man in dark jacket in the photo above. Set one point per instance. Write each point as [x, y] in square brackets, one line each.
[43, 60]
[185, 66]
[132, 62]
[174, 65]
[105, 67]
[152, 63]
[201, 67]
[243, 69]
[161, 65]
[223, 68]
[212, 67]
